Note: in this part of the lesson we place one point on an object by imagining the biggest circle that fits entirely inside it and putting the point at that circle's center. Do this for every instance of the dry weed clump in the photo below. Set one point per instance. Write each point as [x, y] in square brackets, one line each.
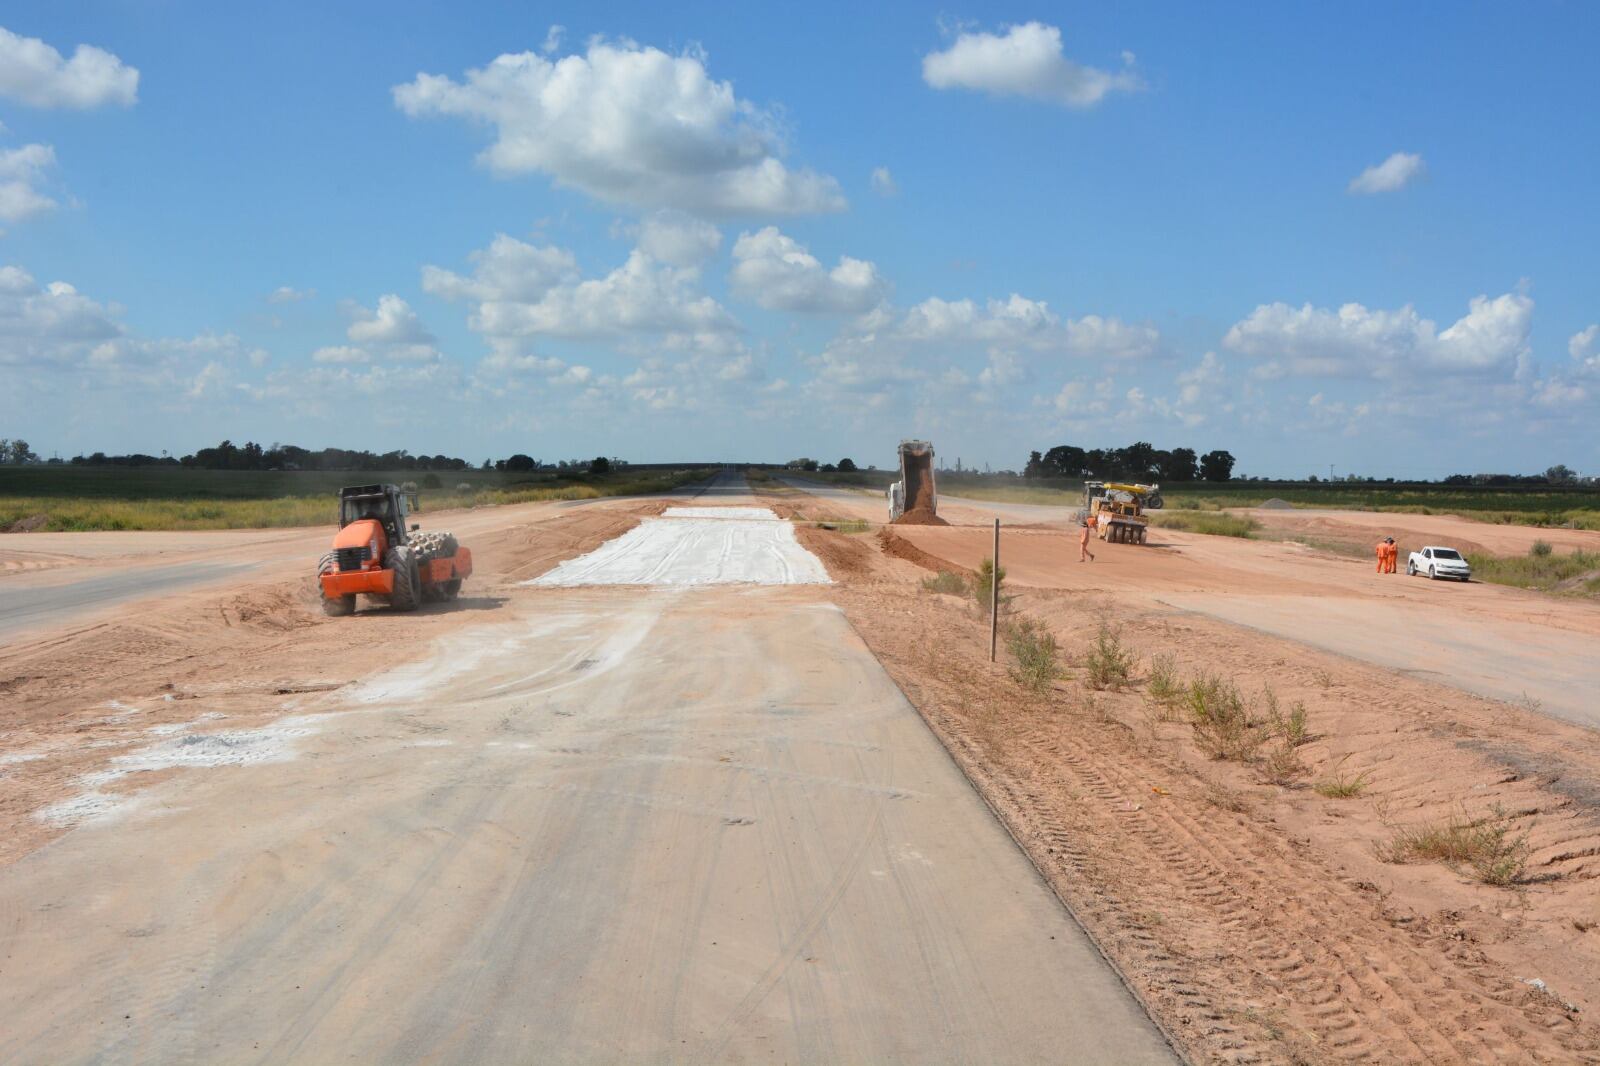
[946, 582]
[1292, 728]
[1341, 785]
[1109, 665]
[1037, 655]
[1488, 848]
[1164, 688]
[985, 584]
[1224, 798]
[1226, 726]
[1221, 719]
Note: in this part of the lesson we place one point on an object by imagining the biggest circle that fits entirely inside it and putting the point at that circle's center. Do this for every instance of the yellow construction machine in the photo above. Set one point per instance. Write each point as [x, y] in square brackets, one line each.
[1118, 509]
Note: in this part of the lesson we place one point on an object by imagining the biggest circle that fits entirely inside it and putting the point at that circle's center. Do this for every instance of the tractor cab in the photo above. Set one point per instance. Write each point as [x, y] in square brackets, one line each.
[384, 504]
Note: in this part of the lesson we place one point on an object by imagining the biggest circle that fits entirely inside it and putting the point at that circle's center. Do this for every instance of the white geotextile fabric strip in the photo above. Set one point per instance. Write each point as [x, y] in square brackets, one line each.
[752, 514]
[696, 549]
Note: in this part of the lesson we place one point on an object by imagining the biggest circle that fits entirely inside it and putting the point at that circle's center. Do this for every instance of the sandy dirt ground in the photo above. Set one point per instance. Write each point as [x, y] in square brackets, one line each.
[699, 824]
[1256, 918]
[550, 824]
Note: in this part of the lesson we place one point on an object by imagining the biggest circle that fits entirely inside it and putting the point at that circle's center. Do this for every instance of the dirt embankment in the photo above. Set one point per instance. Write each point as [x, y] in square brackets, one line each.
[1255, 919]
[71, 702]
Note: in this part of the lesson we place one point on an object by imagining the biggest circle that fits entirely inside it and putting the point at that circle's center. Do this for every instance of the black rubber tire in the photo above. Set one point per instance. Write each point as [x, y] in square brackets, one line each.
[337, 606]
[1411, 568]
[1154, 501]
[449, 590]
[1432, 576]
[407, 594]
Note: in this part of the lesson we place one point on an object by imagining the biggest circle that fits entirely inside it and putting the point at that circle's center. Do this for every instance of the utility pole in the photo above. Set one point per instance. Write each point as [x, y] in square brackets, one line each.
[994, 593]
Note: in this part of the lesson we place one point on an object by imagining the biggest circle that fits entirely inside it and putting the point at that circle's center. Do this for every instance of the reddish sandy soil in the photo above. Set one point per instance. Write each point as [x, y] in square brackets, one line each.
[1255, 919]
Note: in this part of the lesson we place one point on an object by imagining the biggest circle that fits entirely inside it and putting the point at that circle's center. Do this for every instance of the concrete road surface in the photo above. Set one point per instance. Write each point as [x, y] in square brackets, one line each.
[644, 825]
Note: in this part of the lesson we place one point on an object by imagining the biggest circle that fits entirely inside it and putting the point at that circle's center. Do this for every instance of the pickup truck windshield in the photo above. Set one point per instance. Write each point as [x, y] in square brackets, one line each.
[1445, 553]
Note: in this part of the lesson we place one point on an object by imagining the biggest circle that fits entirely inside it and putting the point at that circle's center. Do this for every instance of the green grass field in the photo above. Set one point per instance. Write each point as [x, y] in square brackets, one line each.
[163, 497]
[1574, 508]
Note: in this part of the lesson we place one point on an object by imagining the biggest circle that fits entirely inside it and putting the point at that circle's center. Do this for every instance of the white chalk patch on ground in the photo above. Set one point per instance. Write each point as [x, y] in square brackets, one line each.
[85, 807]
[696, 549]
[240, 747]
[21, 756]
[167, 729]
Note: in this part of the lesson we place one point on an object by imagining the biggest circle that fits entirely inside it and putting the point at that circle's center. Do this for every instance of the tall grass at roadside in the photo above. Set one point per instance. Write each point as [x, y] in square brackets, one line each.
[985, 584]
[1542, 570]
[946, 582]
[68, 514]
[1036, 654]
[1163, 687]
[1109, 665]
[1214, 523]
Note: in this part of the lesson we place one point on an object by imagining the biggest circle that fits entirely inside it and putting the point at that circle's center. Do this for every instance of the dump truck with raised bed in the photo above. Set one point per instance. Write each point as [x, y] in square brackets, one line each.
[914, 493]
[1118, 509]
[376, 553]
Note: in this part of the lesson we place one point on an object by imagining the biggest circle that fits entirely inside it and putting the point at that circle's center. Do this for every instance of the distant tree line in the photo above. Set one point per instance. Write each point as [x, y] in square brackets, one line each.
[1560, 474]
[843, 466]
[1137, 462]
[16, 452]
[252, 456]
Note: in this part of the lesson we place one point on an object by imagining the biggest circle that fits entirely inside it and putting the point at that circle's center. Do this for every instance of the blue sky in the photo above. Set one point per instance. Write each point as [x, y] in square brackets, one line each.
[657, 233]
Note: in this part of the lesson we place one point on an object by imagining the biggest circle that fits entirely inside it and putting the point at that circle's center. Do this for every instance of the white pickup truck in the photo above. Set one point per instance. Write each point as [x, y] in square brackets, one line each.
[1438, 562]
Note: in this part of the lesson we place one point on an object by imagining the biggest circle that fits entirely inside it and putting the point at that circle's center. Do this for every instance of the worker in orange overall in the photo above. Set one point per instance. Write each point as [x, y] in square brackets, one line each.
[1083, 540]
[1393, 555]
[1383, 556]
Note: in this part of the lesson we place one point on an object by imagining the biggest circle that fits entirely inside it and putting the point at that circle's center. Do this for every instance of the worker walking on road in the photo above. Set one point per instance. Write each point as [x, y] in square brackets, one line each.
[1392, 555]
[1083, 540]
[1383, 555]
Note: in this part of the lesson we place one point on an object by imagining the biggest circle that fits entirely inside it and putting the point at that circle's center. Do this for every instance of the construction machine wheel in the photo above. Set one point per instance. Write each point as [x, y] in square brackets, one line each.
[1154, 501]
[338, 606]
[428, 547]
[449, 590]
[407, 594]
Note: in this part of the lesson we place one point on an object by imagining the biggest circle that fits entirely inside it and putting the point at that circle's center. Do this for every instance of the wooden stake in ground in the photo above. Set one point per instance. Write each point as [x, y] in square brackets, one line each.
[994, 593]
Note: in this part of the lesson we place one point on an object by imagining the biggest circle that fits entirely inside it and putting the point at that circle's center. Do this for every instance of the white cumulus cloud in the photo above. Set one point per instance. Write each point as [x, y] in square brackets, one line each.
[22, 172]
[1026, 60]
[1027, 323]
[52, 325]
[677, 238]
[288, 294]
[1584, 345]
[883, 182]
[1355, 340]
[520, 294]
[34, 73]
[392, 331]
[628, 124]
[777, 272]
[1391, 175]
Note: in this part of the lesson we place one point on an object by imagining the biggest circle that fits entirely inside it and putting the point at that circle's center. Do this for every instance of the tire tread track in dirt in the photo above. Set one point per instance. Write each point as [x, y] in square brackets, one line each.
[1245, 946]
